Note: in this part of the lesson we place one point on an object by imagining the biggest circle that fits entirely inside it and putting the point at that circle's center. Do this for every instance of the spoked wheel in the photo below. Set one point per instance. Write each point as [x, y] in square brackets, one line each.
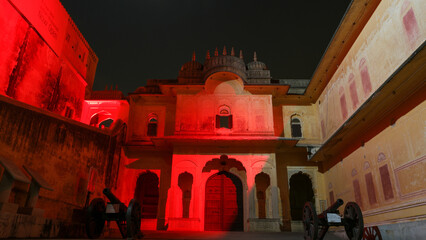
[133, 219]
[354, 223]
[372, 233]
[310, 222]
[95, 218]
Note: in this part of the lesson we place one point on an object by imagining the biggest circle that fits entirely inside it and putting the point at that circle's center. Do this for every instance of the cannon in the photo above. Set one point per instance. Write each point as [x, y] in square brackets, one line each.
[128, 219]
[316, 226]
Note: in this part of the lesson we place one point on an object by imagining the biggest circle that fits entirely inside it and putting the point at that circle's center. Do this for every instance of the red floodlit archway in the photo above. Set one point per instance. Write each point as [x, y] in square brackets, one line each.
[224, 203]
[101, 117]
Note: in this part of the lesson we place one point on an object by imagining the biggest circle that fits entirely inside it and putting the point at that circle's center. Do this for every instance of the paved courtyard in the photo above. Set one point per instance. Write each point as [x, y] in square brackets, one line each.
[229, 235]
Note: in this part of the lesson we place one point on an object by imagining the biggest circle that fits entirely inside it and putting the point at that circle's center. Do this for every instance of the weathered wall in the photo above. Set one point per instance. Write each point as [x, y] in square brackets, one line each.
[58, 31]
[31, 72]
[142, 107]
[62, 151]
[386, 176]
[391, 35]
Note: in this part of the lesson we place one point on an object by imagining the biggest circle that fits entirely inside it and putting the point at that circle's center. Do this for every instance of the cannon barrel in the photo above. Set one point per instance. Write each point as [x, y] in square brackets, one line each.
[333, 208]
[112, 198]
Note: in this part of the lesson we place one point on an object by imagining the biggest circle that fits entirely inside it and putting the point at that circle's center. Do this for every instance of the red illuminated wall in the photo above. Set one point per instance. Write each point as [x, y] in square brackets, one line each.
[30, 69]
[105, 109]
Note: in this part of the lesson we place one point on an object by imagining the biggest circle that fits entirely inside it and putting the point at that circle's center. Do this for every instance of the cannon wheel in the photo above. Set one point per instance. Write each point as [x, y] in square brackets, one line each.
[372, 233]
[133, 219]
[354, 222]
[95, 219]
[310, 221]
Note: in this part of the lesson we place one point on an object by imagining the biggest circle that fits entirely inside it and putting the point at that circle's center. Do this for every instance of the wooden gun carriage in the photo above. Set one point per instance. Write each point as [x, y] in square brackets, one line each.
[128, 219]
[315, 227]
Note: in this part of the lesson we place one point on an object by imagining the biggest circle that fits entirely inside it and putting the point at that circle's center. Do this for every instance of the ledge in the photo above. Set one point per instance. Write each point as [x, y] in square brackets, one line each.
[403, 91]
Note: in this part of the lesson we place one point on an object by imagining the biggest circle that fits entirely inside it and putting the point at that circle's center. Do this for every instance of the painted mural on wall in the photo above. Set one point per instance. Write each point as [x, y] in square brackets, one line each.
[394, 25]
[387, 173]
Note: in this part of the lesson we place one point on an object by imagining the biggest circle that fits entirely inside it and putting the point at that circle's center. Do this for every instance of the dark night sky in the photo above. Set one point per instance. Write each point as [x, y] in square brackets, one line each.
[142, 39]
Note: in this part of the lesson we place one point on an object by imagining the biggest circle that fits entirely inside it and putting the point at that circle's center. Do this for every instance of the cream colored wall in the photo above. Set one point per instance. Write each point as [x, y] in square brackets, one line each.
[401, 148]
[308, 115]
[252, 114]
[383, 45]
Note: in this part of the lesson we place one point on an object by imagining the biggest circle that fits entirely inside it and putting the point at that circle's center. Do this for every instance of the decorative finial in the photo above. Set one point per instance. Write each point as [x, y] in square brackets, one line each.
[193, 56]
[232, 51]
[208, 54]
[224, 51]
[216, 52]
[255, 57]
[241, 54]
[106, 87]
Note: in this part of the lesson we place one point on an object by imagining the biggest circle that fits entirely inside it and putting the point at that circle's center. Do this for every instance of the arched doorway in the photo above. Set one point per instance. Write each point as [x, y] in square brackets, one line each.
[300, 192]
[147, 192]
[224, 203]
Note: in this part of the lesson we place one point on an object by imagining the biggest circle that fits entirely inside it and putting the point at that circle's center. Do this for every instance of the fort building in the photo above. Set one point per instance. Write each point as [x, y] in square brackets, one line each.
[223, 146]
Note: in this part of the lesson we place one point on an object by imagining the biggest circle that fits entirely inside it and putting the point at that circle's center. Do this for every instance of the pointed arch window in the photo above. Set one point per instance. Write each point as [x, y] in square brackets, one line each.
[296, 127]
[152, 126]
[224, 117]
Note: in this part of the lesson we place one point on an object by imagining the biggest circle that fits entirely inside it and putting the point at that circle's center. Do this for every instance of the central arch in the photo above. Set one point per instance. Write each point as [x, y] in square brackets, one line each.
[224, 203]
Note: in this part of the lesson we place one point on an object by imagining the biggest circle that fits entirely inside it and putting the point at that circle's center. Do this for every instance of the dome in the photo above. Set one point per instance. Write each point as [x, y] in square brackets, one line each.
[191, 66]
[224, 63]
[256, 65]
[190, 72]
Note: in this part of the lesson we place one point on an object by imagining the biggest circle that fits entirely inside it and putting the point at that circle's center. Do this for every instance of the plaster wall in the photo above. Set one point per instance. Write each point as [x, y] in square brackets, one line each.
[386, 176]
[135, 164]
[142, 107]
[308, 115]
[117, 109]
[395, 30]
[252, 114]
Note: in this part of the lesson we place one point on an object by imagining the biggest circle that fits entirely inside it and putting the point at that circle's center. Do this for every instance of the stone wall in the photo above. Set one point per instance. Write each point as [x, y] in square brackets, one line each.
[61, 150]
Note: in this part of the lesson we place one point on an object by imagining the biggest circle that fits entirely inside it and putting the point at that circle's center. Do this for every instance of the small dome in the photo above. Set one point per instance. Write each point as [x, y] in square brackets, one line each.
[256, 65]
[191, 66]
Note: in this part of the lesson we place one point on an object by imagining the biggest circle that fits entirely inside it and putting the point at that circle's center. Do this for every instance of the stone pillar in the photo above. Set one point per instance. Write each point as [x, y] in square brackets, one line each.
[274, 202]
[252, 203]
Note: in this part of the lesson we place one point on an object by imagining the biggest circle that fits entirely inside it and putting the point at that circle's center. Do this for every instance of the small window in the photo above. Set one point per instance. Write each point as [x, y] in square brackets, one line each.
[224, 118]
[296, 127]
[69, 112]
[152, 127]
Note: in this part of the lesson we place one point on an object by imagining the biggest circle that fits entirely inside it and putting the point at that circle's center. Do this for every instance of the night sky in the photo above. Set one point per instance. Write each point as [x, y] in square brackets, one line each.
[143, 39]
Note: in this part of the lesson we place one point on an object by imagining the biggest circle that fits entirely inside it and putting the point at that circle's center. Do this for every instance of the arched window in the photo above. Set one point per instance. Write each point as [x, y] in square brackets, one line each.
[152, 126]
[224, 118]
[296, 127]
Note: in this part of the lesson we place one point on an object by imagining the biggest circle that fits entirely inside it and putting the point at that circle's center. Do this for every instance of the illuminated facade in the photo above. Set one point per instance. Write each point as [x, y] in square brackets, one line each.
[225, 146]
